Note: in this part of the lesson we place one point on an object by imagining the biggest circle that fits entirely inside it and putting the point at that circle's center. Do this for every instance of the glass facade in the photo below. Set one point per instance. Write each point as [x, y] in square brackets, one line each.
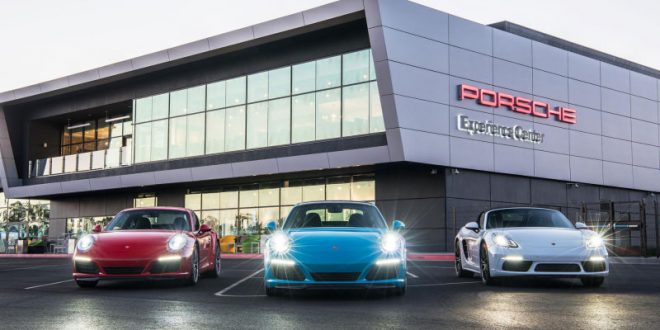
[244, 210]
[324, 99]
[98, 134]
[23, 219]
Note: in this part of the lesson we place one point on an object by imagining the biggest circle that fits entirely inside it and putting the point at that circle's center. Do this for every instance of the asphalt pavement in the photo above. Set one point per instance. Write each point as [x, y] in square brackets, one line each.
[39, 294]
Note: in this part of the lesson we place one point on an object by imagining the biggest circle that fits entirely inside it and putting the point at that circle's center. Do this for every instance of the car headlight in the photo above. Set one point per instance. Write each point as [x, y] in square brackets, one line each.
[391, 242]
[502, 240]
[85, 243]
[280, 243]
[176, 243]
[594, 242]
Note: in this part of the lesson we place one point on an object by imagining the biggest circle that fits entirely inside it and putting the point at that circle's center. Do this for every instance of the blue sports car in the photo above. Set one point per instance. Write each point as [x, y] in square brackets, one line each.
[335, 245]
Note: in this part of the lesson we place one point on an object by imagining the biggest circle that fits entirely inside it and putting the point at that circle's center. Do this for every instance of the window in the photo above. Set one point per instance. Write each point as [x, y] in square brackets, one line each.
[235, 129]
[328, 114]
[257, 87]
[279, 112]
[328, 72]
[303, 118]
[215, 95]
[332, 97]
[215, 131]
[355, 116]
[304, 77]
[279, 82]
[356, 67]
[257, 121]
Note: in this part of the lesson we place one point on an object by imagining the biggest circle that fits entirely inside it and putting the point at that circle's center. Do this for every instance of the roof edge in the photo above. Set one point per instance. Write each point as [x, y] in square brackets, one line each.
[551, 40]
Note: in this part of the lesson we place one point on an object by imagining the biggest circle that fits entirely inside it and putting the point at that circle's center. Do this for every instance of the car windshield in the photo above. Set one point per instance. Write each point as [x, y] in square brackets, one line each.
[334, 215]
[510, 218]
[150, 219]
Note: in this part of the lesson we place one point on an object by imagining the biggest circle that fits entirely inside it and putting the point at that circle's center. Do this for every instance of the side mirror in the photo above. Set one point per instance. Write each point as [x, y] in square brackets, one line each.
[472, 226]
[97, 228]
[398, 225]
[271, 226]
[204, 228]
[581, 225]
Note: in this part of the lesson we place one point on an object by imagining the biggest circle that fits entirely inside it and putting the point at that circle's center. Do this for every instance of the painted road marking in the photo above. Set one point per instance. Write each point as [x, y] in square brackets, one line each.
[22, 268]
[222, 292]
[412, 275]
[441, 284]
[47, 284]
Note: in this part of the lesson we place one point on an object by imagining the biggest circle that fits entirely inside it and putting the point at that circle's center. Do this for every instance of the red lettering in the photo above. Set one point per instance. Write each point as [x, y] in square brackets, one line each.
[568, 115]
[506, 100]
[555, 112]
[542, 105]
[492, 98]
[469, 92]
[523, 105]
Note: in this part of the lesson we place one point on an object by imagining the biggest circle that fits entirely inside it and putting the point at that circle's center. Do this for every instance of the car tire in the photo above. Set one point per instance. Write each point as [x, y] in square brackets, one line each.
[271, 292]
[592, 282]
[458, 263]
[194, 269]
[87, 284]
[484, 266]
[217, 264]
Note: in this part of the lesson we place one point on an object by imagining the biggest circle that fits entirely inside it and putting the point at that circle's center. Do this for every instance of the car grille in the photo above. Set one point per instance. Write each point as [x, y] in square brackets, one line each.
[291, 273]
[86, 268]
[335, 276]
[556, 268]
[377, 273]
[593, 266]
[516, 266]
[123, 270]
[166, 267]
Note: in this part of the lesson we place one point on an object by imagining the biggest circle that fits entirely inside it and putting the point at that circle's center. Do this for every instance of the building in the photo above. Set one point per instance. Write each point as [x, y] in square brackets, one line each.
[433, 117]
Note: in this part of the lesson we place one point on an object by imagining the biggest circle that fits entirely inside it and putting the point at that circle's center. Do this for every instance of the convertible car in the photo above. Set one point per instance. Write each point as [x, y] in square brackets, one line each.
[335, 245]
[147, 243]
[526, 241]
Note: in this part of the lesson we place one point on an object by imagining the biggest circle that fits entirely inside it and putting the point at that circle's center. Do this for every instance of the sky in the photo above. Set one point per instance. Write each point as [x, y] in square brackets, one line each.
[47, 39]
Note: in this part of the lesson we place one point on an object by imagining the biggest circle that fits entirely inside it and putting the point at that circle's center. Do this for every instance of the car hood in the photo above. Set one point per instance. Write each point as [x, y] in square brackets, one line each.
[545, 237]
[335, 250]
[131, 244]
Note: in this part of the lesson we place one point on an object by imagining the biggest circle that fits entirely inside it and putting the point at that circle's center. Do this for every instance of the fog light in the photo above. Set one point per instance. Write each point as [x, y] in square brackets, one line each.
[386, 262]
[82, 259]
[282, 262]
[596, 258]
[169, 258]
[513, 258]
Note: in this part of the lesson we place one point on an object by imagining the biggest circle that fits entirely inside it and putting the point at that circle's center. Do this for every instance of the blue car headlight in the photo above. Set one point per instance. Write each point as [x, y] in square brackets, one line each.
[391, 242]
[280, 243]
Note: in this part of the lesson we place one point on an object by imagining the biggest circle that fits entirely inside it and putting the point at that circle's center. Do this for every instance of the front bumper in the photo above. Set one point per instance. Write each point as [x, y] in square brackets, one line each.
[564, 265]
[131, 269]
[299, 277]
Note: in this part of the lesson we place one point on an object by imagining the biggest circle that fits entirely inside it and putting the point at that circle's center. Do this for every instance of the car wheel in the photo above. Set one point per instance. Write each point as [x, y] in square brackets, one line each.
[194, 268]
[215, 272]
[592, 282]
[271, 292]
[458, 263]
[87, 284]
[484, 265]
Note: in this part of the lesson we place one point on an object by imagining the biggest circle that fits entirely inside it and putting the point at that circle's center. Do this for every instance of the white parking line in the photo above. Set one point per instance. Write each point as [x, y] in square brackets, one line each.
[31, 267]
[412, 275]
[441, 284]
[47, 284]
[222, 292]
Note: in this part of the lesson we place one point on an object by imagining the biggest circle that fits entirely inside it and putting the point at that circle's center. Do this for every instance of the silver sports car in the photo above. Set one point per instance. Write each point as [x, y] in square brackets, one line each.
[527, 241]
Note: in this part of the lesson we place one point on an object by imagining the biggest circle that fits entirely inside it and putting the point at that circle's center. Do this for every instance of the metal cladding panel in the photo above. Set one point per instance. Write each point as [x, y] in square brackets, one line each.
[614, 106]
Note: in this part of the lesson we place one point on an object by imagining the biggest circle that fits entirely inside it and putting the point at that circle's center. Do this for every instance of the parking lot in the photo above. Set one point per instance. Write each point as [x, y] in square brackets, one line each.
[39, 293]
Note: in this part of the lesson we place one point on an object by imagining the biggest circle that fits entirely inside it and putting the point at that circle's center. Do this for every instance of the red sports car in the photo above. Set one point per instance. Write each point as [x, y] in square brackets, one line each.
[147, 243]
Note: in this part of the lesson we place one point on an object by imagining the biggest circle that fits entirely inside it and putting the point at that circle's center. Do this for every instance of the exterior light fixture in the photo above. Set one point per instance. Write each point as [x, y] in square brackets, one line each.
[78, 126]
[110, 120]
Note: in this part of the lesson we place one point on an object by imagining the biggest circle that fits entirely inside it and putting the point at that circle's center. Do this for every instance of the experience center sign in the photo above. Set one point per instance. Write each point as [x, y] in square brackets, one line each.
[493, 99]
[516, 132]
